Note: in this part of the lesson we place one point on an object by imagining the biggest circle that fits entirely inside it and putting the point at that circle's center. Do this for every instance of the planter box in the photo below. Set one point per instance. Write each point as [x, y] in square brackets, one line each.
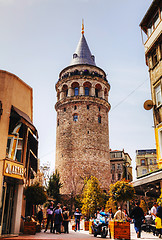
[86, 226]
[119, 230]
[30, 228]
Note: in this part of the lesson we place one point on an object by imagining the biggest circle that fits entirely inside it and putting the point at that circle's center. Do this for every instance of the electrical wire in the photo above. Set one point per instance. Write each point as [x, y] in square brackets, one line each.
[128, 95]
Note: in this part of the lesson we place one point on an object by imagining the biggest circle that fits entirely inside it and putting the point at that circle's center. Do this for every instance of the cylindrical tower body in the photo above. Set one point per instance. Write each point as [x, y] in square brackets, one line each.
[82, 136]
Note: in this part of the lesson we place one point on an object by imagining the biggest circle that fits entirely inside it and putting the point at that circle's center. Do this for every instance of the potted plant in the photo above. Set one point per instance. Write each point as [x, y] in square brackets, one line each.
[34, 195]
[120, 192]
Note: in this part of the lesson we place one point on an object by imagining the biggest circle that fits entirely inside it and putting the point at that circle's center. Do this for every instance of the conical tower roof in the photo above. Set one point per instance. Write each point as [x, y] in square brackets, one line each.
[83, 54]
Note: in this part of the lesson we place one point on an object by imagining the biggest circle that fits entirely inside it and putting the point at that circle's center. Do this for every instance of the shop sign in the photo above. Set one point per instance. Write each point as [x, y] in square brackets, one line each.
[12, 169]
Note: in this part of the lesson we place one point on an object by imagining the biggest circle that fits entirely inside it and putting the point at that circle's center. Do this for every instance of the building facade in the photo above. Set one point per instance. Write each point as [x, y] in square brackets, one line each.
[151, 25]
[82, 137]
[146, 161]
[120, 165]
[18, 149]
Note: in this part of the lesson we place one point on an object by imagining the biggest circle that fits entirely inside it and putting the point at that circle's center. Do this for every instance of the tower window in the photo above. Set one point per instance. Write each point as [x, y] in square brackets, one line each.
[75, 107]
[99, 109]
[86, 91]
[99, 119]
[96, 92]
[88, 107]
[76, 91]
[64, 109]
[58, 122]
[75, 117]
[66, 92]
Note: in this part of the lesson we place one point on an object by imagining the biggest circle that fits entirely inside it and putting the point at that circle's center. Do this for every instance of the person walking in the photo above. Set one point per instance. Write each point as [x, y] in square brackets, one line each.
[137, 215]
[77, 216]
[65, 223]
[50, 216]
[58, 217]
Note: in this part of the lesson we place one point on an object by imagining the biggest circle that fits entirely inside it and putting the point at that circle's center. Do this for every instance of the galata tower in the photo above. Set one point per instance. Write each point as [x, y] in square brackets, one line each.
[82, 136]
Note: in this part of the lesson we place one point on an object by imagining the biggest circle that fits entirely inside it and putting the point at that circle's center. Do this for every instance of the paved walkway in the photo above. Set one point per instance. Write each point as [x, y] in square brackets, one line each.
[77, 235]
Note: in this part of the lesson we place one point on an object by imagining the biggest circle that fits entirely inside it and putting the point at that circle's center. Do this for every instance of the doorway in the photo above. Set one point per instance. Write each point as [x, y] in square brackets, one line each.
[8, 210]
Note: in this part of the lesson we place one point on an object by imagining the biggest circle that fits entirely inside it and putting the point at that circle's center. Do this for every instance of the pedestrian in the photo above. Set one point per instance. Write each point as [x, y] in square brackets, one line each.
[58, 217]
[65, 213]
[77, 216]
[158, 225]
[153, 214]
[40, 216]
[154, 211]
[137, 215]
[50, 216]
[110, 214]
[119, 215]
[159, 210]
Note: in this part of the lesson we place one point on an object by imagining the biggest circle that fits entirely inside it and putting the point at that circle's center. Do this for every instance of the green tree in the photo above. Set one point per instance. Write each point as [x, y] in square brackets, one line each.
[121, 191]
[53, 187]
[34, 195]
[110, 204]
[92, 197]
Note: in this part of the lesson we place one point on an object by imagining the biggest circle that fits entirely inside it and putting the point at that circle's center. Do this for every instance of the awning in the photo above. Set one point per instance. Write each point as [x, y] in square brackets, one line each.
[149, 185]
[24, 118]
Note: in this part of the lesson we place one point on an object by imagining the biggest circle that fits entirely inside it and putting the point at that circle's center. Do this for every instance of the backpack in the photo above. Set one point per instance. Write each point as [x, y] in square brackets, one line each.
[65, 216]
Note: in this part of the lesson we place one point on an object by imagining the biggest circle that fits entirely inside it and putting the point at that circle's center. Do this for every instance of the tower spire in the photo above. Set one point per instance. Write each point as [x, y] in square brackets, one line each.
[82, 27]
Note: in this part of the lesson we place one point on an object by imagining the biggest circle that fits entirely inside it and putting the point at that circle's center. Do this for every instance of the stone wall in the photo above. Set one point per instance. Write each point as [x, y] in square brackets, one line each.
[82, 146]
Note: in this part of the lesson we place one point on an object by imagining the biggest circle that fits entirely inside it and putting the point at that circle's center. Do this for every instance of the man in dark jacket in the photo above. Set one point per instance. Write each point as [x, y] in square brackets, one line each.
[137, 215]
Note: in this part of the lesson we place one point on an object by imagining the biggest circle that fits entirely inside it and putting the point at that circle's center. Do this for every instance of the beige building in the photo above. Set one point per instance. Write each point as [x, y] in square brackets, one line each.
[82, 137]
[18, 149]
[151, 25]
[146, 161]
[120, 165]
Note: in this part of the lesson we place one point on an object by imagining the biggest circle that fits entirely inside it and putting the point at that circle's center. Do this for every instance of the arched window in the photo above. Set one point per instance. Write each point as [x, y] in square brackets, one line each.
[86, 91]
[76, 91]
[65, 90]
[87, 88]
[75, 117]
[97, 90]
[75, 87]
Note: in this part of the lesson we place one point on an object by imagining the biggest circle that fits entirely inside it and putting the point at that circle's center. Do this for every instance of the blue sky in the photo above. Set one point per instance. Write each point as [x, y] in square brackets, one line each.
[38, 38]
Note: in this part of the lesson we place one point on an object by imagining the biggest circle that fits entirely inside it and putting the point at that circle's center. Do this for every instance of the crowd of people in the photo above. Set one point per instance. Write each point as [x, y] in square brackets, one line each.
[58, 217]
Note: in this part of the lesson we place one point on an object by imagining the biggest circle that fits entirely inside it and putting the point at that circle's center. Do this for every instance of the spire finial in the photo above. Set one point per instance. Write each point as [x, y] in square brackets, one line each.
[82, 26]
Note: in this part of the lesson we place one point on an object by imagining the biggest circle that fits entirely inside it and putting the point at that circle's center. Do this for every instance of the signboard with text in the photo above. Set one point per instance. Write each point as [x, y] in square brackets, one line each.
[13, 169]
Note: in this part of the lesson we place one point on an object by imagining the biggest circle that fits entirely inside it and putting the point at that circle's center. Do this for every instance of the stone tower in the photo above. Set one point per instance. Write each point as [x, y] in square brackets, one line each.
[82, 136]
